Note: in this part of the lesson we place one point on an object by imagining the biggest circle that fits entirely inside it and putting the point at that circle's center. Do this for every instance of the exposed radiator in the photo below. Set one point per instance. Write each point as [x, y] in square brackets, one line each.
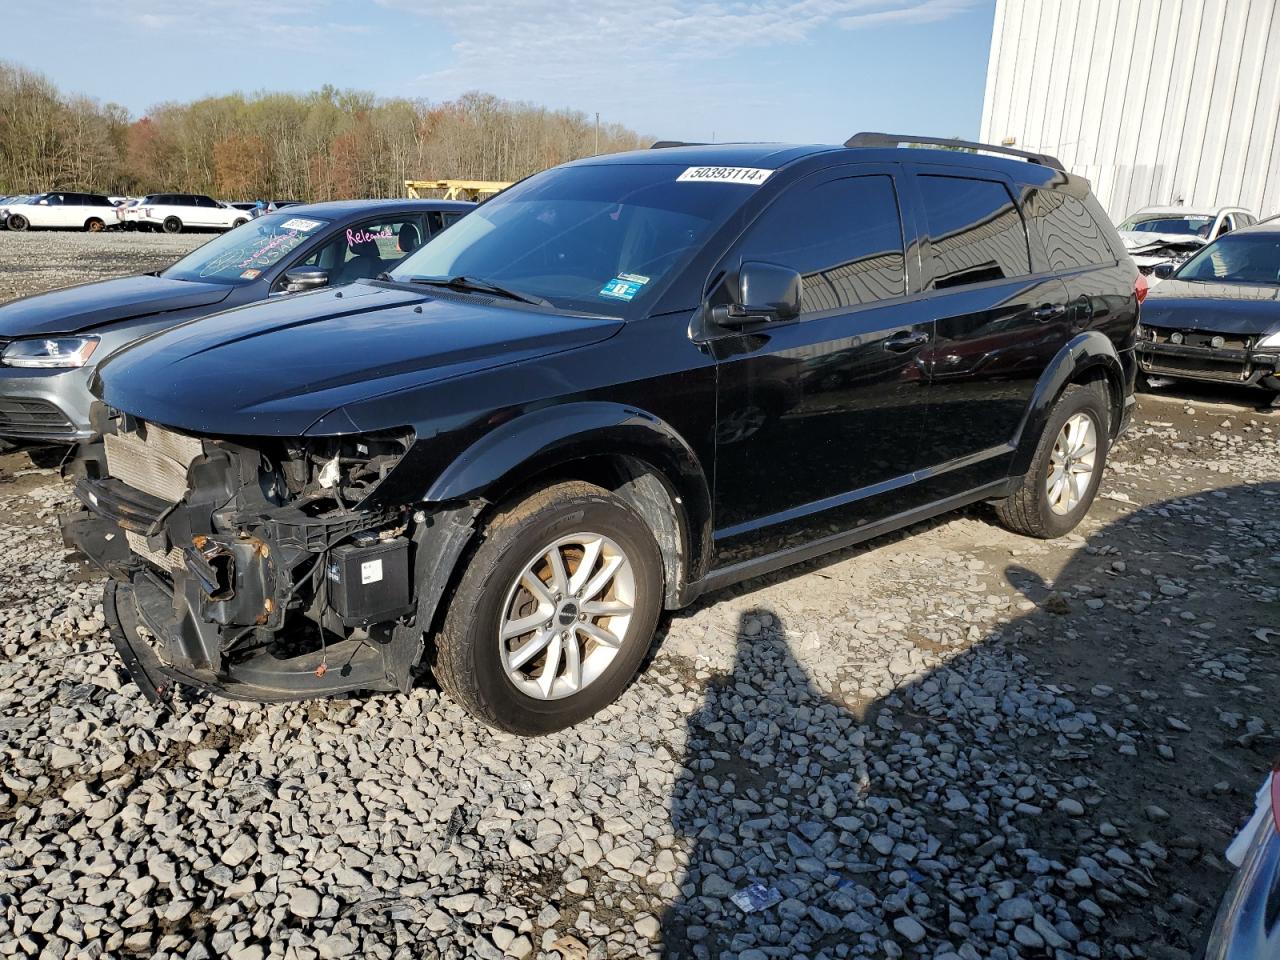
[138, 544]
[153, 460]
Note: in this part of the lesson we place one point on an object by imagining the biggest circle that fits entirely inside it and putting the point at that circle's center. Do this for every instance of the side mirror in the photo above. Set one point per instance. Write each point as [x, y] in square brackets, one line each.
[767, 293]
[305, 278]
[1164, 270]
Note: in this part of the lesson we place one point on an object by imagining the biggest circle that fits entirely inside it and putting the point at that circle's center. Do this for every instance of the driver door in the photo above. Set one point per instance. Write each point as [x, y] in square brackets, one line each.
[54, 213]
[819, 418]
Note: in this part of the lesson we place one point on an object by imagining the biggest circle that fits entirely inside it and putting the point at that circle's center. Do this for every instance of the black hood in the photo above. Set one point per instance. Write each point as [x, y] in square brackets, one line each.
[275, 368]
[81, 308]
[1244, 308]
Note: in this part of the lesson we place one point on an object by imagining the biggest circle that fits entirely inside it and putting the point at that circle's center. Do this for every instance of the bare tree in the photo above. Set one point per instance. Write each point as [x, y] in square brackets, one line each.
[321, 145]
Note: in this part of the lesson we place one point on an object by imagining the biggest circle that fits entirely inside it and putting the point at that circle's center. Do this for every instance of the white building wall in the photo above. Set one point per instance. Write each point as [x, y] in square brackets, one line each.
[1155, 101]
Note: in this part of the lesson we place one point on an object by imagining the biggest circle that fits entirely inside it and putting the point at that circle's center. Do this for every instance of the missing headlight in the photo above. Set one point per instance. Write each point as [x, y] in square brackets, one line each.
[348, 469]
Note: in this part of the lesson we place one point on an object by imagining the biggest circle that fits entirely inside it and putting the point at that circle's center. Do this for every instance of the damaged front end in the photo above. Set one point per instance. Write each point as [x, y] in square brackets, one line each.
[1149, 250]
[261, 569]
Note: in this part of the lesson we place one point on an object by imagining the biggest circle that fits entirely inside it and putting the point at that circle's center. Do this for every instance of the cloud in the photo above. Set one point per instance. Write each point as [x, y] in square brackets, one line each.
[310, 24]
[622, 53]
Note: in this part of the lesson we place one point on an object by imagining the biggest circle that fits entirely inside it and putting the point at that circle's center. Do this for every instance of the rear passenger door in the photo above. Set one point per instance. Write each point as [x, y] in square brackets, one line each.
[998, 324]
[205, 212]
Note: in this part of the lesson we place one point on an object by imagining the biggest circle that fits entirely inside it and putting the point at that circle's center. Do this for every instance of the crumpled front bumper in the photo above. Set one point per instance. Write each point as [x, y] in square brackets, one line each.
[181, 645]
[137, 656]
[1244, 367]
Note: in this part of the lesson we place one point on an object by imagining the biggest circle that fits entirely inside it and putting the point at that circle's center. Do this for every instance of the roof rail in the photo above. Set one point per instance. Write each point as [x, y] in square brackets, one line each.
[896, 139]
[663, 144]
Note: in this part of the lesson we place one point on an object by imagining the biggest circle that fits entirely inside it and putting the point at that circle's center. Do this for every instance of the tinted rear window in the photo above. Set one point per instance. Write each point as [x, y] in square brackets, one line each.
[975, 230]
[1070, 235]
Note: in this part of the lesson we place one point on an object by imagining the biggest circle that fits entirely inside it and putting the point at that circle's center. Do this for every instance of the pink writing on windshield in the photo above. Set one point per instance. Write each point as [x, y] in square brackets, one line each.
[364, 236]
[270, 245]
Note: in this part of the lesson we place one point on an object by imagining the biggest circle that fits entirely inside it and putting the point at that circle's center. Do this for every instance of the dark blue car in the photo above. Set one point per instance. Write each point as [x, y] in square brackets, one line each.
[50, 344]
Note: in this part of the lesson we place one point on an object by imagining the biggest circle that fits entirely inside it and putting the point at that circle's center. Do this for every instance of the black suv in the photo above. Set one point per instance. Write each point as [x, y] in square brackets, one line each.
[616, 386]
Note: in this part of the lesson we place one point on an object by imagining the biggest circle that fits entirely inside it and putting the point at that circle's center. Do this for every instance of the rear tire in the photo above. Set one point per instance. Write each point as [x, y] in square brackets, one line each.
[172, 225]
[490, 670]
[1042, 506]
[94, 225]
[18, 222]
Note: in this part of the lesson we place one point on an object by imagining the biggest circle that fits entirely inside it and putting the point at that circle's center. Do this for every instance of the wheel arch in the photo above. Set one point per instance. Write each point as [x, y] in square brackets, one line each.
[637, 456]
[1087, 357]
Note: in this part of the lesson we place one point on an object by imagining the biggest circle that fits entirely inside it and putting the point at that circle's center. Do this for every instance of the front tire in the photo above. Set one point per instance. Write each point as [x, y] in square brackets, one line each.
[1065, 472]
[239, 223]
[18, 222]
[172, 225]
[554, 613]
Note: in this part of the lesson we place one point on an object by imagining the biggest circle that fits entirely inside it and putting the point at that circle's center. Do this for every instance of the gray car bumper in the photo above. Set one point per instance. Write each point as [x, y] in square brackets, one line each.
[45, 405]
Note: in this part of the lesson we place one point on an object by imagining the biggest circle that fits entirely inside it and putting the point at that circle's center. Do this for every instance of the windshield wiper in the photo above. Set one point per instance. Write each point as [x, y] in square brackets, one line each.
[479, 285]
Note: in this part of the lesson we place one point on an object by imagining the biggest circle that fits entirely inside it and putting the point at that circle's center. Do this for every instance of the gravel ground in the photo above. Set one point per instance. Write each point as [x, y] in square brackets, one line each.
[38, 260]
[953, 742]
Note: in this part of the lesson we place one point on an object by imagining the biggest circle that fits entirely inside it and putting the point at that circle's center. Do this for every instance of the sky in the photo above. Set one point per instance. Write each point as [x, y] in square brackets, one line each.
[790, 70]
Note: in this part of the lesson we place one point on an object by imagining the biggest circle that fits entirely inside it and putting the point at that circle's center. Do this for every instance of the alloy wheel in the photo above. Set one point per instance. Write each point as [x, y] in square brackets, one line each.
[566, 616]
[1071, 463]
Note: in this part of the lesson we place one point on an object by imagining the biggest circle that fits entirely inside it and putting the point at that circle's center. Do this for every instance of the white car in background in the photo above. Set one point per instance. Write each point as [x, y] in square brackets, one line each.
[175, 212]
[1156, 235]
[62, 210]
[7, 203]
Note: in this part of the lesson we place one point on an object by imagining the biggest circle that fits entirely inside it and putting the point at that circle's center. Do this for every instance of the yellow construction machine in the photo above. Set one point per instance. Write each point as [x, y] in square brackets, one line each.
[455, 189]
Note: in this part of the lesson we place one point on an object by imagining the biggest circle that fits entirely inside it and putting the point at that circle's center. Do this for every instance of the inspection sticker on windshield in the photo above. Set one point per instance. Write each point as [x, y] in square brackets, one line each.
[624, 286]
[751, 176]
[251, 275]
[300, 223]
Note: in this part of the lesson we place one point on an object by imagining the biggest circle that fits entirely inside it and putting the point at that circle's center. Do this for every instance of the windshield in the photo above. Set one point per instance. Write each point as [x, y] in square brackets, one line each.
[597, 239]
[1192, 225]
[241, 255]
[1236, 258]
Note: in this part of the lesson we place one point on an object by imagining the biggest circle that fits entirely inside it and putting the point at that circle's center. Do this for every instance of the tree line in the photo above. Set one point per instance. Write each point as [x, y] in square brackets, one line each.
[322, 145]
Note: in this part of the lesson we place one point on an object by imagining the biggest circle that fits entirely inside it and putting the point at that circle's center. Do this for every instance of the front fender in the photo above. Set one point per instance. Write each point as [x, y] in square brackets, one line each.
[1086, 351]
[551, 436]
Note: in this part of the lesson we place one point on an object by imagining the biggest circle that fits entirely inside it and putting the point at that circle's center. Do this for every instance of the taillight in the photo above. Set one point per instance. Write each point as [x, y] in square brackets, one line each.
[1275, 798]
[1140, 288]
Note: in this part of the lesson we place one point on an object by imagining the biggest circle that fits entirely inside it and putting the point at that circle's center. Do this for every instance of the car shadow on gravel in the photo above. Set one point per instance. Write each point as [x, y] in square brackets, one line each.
[1061, 788]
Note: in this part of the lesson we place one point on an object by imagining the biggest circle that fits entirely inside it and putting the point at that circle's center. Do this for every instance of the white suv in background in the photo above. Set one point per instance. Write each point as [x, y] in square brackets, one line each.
[175, 212]
[62, 210]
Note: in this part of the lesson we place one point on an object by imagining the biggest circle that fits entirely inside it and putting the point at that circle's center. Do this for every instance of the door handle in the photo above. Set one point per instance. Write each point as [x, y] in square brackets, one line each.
[1049, 311]
[902, 342]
